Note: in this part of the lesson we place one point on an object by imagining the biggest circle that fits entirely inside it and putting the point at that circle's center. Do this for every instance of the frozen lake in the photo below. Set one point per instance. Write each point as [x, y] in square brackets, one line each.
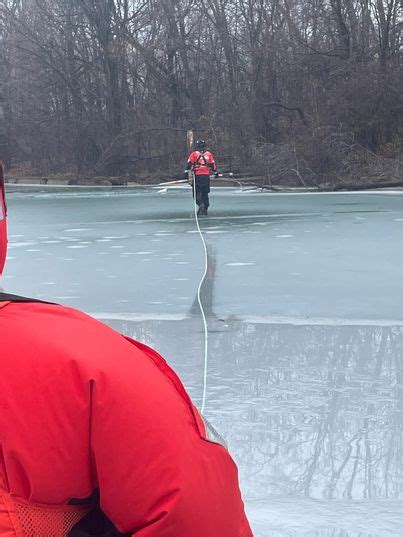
[304, 304]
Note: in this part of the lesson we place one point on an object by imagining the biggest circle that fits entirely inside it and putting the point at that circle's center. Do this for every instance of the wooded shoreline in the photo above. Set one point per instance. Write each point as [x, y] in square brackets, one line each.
[304, 94]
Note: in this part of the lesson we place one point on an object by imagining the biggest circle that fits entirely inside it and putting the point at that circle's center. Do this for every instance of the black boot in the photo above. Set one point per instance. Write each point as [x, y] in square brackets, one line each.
[201, 210]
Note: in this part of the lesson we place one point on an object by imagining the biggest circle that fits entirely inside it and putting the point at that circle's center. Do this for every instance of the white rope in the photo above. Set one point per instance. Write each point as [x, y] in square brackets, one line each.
[199, 299]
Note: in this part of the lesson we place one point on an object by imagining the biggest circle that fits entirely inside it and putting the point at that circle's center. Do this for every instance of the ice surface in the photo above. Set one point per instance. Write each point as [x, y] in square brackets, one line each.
[303, 298]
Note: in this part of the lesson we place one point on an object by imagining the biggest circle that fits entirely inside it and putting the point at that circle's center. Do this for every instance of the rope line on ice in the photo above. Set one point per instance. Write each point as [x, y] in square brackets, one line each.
[200, 301]
[170, 183]
[203, 405]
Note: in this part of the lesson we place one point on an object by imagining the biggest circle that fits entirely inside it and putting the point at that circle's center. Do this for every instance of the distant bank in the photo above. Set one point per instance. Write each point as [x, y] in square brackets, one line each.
[246, 180]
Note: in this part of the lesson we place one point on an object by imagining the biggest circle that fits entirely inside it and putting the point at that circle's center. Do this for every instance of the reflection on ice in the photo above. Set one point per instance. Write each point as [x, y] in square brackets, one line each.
[307, 411]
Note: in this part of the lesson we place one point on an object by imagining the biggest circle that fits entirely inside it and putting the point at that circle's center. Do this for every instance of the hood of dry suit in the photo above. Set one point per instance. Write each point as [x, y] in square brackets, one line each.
[83, 409]
[3, 221]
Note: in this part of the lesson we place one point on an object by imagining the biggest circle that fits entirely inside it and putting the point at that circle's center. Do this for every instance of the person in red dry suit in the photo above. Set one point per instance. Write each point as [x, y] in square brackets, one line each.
[202, 163]
[3, 221]
[99, 437]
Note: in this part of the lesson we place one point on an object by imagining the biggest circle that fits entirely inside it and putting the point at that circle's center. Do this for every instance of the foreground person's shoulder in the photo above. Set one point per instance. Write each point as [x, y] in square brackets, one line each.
[46, 315]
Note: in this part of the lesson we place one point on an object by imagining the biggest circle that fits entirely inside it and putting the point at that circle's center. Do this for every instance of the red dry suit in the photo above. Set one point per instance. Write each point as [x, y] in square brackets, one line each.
[202, 162]
[3, 221]
[84, 408]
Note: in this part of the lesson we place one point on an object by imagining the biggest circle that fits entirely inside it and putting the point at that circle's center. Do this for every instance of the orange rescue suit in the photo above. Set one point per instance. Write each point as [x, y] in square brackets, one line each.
[202, 162]
[83, 408]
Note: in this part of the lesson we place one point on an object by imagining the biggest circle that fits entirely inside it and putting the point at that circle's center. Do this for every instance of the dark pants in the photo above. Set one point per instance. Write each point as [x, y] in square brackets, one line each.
[202, 190]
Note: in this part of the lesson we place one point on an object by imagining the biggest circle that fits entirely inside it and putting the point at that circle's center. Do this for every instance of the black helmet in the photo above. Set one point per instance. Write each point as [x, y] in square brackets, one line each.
[200, 144]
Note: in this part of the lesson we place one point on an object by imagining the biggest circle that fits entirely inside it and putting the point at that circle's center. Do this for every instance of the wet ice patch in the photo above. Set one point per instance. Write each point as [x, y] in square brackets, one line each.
[21, 244]
[239, 264]
[76, 230]
[283, 236]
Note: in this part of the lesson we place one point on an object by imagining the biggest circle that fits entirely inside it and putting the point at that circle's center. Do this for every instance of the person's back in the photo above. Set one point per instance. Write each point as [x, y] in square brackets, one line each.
[82, 409]
[202, 163]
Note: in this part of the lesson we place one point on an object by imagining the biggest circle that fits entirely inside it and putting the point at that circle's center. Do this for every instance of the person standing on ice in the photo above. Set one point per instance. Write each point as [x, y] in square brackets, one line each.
[202, 163]
[98, 436]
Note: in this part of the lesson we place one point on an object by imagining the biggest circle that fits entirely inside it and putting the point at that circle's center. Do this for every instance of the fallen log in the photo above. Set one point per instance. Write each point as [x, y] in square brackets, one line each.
[368, 186]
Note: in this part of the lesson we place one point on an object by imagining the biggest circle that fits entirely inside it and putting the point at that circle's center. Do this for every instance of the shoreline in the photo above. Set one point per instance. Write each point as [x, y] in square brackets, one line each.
[112, 183]
[243, 179]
